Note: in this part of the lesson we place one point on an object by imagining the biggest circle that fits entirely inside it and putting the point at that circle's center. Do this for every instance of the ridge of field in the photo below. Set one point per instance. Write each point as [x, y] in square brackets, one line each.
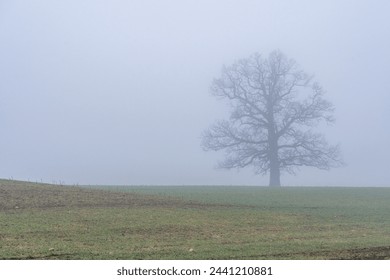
[28, 195]
[42, 221]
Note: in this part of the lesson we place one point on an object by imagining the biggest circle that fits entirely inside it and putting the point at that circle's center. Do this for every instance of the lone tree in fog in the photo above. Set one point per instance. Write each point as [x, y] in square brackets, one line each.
[275, 105]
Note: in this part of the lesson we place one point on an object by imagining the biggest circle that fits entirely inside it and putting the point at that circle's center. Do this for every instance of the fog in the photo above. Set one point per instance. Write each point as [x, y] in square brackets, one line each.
[117, 92]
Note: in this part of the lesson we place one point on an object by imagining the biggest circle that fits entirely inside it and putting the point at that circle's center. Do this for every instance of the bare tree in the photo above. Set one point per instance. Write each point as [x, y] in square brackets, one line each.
[275, 105]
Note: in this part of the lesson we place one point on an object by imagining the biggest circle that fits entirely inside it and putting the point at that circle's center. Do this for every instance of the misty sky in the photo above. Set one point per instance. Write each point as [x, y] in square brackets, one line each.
[117, 92]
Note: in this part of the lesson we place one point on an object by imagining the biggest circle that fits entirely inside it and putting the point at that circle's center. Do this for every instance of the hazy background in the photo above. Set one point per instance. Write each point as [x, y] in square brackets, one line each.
[117, 92]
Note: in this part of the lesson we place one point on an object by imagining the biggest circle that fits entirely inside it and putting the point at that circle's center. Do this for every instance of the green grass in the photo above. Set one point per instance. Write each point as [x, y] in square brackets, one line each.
[368, 205]
[51, 222]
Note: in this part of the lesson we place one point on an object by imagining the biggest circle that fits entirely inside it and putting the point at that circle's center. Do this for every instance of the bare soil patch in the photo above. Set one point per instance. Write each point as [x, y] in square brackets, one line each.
[370, 253]
[367, 253]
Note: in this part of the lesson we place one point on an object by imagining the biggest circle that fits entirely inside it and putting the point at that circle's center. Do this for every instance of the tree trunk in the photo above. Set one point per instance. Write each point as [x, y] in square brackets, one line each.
[274, 177]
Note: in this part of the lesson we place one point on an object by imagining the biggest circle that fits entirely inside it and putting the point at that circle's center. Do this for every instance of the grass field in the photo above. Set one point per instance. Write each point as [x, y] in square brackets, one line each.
[39, 221]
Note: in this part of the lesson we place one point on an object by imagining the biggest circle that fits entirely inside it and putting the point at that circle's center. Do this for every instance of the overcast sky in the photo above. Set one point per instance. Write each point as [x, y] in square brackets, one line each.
[117, 92]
